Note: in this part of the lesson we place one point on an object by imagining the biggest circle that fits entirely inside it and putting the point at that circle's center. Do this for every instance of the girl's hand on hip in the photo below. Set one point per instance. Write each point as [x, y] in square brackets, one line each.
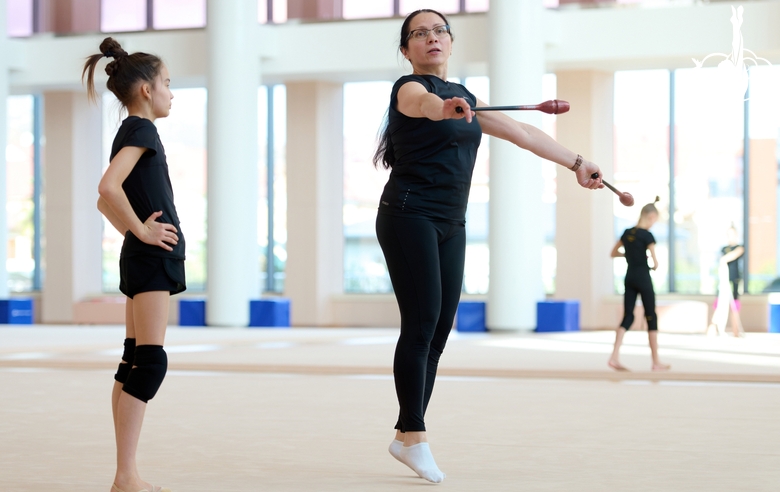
[159, 234]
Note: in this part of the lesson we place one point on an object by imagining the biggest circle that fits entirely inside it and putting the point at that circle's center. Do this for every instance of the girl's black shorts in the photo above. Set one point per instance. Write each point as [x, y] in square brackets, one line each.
[142, 273]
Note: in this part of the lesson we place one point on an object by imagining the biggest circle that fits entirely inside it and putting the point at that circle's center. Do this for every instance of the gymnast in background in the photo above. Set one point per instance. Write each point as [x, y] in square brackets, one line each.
[635, 243]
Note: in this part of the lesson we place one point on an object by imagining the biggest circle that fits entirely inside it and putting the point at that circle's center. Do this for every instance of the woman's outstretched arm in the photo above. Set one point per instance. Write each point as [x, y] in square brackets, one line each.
[499, 125]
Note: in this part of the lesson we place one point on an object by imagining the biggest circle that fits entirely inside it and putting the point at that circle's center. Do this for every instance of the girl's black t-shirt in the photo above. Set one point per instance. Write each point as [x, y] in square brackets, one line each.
[148, 186]
[734, 273]
[434, 160]
[635, 242]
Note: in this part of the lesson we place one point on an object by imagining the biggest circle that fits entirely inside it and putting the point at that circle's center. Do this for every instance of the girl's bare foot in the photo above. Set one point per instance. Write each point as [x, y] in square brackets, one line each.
[616, 365]
[144, 486]
[661, 367]
[127, 488]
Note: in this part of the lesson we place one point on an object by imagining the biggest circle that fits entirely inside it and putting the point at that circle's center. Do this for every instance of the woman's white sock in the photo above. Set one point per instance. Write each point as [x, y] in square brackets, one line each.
[420, 459]
[395, 449]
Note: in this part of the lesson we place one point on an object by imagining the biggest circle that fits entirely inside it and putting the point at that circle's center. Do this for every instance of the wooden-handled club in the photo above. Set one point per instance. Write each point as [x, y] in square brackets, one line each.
[625, 197]
[553, 106]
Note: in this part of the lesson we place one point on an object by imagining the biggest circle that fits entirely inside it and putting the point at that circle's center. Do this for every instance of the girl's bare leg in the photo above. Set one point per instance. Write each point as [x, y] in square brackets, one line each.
[652, 336]
[149, 319]
[129, 333]
[736, 321]
[614, 360]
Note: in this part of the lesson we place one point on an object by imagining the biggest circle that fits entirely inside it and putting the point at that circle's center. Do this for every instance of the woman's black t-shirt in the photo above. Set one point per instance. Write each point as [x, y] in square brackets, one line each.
[434, 160]
[635, 242]
[148, 186]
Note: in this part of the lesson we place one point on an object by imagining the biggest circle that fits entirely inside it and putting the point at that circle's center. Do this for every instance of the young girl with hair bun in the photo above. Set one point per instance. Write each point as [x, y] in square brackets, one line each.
[636, 242]
[137, 198]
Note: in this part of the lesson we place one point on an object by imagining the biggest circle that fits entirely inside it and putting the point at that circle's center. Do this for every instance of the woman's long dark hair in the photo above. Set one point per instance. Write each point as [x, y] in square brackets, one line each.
[384, 154]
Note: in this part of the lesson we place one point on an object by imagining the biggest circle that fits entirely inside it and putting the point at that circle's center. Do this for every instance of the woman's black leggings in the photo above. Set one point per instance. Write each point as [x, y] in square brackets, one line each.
[425, 260]
[639, 282]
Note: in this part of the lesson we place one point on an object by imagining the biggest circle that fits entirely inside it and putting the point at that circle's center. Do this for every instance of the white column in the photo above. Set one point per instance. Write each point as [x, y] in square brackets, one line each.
[233, 80]
[3, 142]
[72, 167]
[315, 177]
[584, 233]
[516, 231]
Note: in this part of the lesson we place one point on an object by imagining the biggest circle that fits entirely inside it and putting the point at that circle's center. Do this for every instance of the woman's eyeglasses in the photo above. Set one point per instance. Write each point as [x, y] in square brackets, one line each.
[421, 34]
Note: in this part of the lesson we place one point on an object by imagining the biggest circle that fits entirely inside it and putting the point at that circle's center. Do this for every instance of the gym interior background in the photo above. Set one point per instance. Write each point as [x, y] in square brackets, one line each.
[293, 106]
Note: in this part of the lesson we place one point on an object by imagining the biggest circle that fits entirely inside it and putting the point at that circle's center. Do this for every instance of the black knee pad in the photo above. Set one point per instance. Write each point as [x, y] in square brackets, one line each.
[148, 372]
[652, 322]
[127, 357]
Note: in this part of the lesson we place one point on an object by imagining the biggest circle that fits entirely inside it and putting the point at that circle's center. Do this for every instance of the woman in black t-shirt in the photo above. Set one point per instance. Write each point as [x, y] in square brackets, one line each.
[636, 242]
[431, 149]
[137, 198]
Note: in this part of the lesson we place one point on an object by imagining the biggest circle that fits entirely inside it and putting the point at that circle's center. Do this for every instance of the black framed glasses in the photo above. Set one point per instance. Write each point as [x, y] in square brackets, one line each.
[421, 34]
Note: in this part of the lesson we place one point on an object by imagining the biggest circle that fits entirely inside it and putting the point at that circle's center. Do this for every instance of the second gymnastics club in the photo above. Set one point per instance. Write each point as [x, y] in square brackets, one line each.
[625, 197]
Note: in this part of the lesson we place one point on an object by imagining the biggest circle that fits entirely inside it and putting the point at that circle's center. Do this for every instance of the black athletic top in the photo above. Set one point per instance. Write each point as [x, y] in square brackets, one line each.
[734, 273]
[635, 242]
[148, 186]
[434, 160]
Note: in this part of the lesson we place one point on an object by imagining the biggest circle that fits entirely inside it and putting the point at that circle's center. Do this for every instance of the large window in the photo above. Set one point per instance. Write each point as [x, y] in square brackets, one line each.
[477, 268]
[763, 256]
[179, 14]
[367, 9]
[20, 208]
[365, 105]
[706, 151]
[19, 18]
[122, 15]
[443, 6]
[272, 201]
[183, 134]
[708, 176]
[549, 192]
[275, 10]
[641, 162]
[361, 9]
[134, 15]
[27, 17]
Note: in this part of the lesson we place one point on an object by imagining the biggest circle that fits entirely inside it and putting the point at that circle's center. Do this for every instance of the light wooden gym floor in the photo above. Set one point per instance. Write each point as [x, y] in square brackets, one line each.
[313, 410]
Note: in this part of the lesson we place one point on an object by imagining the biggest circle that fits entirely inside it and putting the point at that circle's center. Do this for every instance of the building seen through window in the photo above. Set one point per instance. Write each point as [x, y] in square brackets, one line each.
[20, 207]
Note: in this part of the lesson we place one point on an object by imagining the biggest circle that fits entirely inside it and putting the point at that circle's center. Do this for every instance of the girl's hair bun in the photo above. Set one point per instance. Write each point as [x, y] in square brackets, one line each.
[110, 47]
